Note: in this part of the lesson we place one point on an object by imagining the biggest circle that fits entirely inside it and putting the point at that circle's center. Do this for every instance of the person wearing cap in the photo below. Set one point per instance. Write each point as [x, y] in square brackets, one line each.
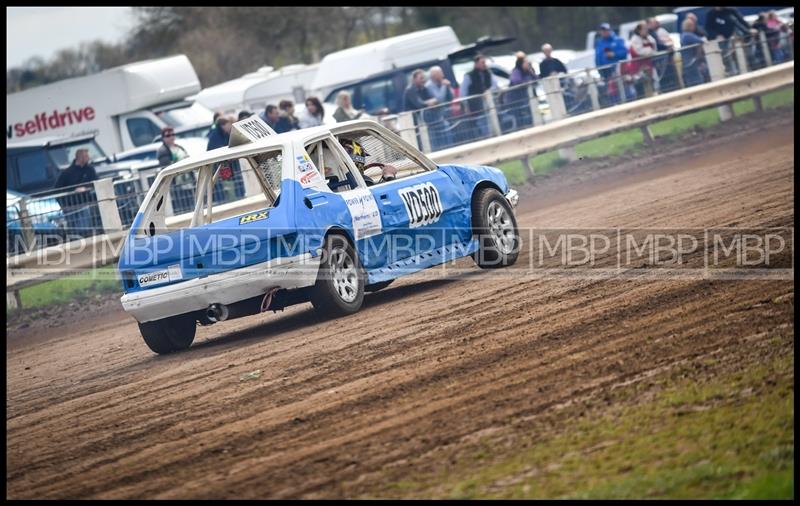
[609, 49]
[169, 152]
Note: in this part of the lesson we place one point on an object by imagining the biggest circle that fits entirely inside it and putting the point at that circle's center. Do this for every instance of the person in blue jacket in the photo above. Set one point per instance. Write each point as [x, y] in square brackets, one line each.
[608, 49]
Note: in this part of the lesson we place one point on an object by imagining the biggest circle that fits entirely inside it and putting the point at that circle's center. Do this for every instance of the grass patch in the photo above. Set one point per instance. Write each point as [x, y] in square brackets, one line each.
[732, 437]
[631, 141]
[70, 289]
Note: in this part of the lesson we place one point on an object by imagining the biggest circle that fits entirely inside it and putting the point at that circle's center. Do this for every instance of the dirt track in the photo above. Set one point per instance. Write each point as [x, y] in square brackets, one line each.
[426, 368]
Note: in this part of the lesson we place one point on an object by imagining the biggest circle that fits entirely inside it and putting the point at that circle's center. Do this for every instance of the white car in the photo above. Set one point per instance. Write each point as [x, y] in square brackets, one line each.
[192, 145]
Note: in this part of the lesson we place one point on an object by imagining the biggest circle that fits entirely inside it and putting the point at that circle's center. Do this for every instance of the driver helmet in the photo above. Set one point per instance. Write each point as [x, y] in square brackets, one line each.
[356, 151]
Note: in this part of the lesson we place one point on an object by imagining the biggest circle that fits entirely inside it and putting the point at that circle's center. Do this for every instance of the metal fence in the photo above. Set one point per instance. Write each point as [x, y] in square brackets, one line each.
[40, 220]
[502, 111]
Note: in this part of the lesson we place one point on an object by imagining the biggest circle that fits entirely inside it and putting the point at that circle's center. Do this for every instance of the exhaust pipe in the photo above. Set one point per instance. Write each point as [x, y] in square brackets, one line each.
[217, 312]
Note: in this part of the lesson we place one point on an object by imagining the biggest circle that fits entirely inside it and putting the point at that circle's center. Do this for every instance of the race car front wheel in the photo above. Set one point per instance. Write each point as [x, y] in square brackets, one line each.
[339, 289]
[495, 227]
[170, 334]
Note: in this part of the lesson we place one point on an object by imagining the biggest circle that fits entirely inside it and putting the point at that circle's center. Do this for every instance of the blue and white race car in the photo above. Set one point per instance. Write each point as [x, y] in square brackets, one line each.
[332, 212]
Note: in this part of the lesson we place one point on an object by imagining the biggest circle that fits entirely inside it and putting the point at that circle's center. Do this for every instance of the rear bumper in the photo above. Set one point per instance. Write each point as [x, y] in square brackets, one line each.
[223, 288]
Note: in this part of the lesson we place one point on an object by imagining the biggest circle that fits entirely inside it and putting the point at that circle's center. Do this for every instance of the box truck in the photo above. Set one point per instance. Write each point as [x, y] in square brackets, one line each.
[125, 106]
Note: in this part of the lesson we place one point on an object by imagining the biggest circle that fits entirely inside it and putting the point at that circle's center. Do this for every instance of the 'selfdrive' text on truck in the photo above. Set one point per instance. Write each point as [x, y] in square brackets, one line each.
[125, 107]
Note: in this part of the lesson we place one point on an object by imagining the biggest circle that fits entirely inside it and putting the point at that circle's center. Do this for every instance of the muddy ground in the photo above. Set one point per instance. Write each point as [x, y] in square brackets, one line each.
[429, 366]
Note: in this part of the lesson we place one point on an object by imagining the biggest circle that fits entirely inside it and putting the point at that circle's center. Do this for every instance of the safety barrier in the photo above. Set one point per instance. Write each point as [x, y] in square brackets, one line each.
[49, 262]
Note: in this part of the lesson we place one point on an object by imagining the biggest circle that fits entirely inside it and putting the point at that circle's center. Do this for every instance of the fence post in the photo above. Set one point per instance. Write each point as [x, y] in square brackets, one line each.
[716, 69]
[593, 94]
[28, 235]
[623, 96]
[405, 123]
[533, 102]
[13, 300]
[762, 37]
[741, 59]
[249, 179]
[558, 110]
[424, 136]
[492, 112]
[107, 205]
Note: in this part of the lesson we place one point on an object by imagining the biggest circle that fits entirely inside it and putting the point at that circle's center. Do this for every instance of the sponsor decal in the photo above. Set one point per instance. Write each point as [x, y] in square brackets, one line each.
[307, 173]
[364, 211]
[261, 215]
[422, 203]
[171, 273]
[43, 121]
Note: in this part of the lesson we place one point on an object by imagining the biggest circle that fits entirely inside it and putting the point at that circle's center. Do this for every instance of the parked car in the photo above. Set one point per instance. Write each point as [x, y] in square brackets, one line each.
[46, 220]
[149, 152]
[323, 234]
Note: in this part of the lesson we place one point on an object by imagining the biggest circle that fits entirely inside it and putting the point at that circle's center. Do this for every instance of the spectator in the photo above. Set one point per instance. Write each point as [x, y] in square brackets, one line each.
[77, 212]
[217, 114]
[609, 49]
[220, 135]
[287, 120]
[244, 115]
[169, 152]
[643, 46]
[693, 59]
[416, 95]
[698, 30]
[517, 98]
[476, 82]
[440, 89]
[345, 111]
[270, 115]
[723, 22]
[550, 65]
[772, 32]
[313, 114]
[663, 64]
[229, 183]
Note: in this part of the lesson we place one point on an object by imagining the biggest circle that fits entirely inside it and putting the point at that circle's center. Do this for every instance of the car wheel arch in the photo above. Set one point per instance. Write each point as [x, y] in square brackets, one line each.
[485, 183]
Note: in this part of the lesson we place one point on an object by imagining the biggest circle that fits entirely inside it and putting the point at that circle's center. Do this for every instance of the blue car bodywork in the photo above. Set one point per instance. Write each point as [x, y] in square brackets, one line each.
[396, 228]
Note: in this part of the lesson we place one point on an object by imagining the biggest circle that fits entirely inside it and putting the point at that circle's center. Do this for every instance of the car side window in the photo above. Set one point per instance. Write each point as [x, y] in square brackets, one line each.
[339, 172]
[378, 153]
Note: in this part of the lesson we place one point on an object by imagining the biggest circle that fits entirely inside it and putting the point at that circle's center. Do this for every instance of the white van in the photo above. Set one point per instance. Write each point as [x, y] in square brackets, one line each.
[354, 64]
[376, 74]
[255, 90]
[125, 106]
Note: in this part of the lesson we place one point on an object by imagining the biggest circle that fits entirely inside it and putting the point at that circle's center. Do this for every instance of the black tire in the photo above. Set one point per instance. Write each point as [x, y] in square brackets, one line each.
[493, 252]
[170, 334]
[336, 293]
[374, 287]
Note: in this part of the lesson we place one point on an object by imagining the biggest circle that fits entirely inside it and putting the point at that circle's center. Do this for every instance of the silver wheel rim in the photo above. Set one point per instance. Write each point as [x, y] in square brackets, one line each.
[501, 227]
[345, 276]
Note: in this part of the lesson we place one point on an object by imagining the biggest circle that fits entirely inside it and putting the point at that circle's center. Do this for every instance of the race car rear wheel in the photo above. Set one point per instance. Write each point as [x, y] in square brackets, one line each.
[495, 227]
[339, 289]
[170, 334]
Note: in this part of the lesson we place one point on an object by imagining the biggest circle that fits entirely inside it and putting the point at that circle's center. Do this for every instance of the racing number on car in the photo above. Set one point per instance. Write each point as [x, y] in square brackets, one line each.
[423, 204]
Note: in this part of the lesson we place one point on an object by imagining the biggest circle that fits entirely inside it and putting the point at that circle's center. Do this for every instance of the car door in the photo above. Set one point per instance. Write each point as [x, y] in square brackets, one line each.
[421, 214]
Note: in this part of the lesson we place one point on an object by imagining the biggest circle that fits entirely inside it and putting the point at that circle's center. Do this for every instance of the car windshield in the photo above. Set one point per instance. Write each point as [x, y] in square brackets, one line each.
[63, 154]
